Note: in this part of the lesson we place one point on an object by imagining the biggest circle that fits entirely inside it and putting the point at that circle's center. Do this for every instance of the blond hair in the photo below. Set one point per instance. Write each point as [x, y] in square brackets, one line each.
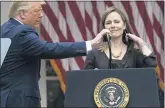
[18, 5]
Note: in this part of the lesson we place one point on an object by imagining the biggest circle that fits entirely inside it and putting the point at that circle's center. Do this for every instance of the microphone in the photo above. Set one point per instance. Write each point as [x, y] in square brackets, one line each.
[109, 47]
[106, 37]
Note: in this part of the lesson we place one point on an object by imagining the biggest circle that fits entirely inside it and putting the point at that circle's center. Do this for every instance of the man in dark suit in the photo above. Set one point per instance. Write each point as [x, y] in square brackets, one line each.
[19, 72]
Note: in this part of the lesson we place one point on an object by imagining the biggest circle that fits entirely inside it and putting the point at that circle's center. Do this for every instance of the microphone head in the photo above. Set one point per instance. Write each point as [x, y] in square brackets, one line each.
[106, 37]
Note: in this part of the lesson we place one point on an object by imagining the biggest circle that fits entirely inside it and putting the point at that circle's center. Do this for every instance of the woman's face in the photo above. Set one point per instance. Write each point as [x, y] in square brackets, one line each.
[115, 24]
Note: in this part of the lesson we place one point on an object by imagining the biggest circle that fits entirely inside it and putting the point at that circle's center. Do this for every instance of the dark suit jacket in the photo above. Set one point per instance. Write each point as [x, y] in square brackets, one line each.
[132, 59]
[19, 73]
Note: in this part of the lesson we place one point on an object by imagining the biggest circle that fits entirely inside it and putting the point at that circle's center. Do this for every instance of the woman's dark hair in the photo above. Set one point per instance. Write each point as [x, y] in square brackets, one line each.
[124, 19]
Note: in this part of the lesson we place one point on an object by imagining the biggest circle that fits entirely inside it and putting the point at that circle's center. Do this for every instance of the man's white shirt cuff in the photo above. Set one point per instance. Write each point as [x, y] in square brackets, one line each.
[88, 46]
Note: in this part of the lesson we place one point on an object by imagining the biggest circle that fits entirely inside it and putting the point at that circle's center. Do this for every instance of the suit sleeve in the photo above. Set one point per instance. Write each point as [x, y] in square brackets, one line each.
[145, 61]
[31, 45]
[90, 61]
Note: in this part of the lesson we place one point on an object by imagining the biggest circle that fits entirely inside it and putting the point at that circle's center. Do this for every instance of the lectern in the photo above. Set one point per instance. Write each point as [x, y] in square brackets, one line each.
[82, 87]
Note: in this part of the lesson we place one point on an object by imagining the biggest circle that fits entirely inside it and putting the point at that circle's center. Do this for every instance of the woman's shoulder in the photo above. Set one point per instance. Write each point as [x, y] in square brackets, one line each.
[132, 47]
[94, 51]
[136, 50]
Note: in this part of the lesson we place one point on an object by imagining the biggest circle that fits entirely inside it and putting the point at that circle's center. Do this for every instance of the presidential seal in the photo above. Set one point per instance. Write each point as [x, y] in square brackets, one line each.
[111, 92]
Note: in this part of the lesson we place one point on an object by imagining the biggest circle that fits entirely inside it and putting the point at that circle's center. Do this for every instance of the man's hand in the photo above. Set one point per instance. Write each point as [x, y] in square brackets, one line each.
[97, 42]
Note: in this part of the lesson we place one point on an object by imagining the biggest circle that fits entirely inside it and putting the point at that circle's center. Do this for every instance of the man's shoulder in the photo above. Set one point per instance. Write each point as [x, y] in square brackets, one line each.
[10, 27]
[11, 24]
[13, 31]
[6, 27]
[24, 28]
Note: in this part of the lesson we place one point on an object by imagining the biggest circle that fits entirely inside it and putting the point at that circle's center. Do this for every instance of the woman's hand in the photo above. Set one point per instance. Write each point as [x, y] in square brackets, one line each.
[138, 41]
[140, 44]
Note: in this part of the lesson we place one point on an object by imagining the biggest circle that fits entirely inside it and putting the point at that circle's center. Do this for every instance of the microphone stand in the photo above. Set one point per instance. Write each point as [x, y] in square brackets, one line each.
[110, 54]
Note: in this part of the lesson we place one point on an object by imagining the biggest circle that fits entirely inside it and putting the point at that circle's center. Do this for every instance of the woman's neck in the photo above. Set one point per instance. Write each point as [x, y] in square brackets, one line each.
[116, 42]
